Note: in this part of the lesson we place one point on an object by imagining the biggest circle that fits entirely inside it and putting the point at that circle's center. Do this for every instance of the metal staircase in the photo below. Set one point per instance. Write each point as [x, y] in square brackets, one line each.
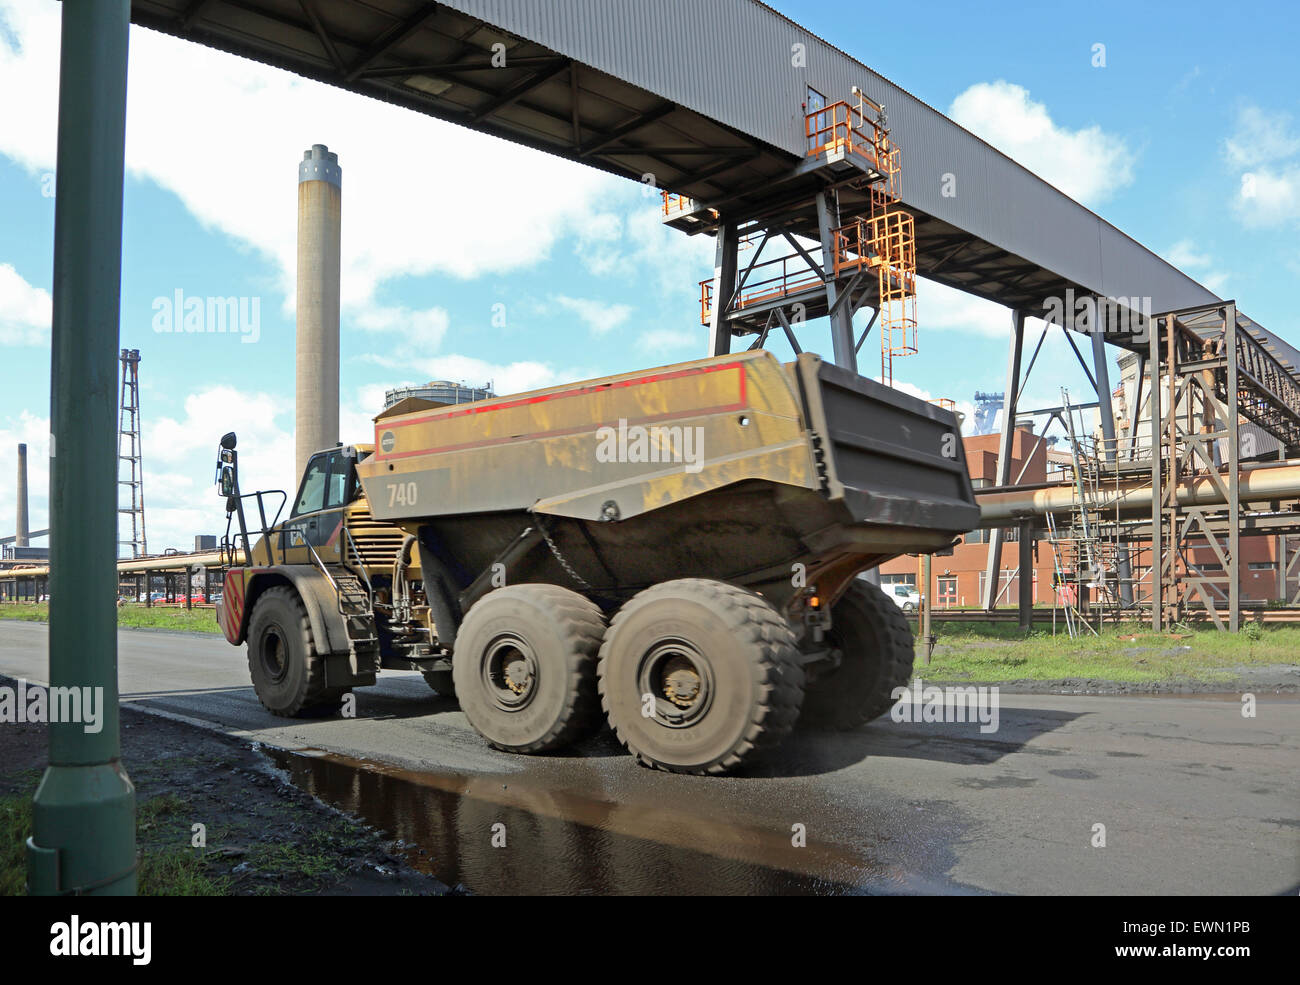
[1085, 563]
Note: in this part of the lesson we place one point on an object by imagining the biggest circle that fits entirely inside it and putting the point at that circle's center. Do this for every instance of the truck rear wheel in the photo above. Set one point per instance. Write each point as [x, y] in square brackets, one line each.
[877, 652]
[698, 676]
[288, 674]
[524, 666]
[440, 681]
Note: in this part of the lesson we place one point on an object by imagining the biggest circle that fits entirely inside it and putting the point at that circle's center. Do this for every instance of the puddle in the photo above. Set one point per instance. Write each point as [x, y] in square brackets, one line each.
[561, 843]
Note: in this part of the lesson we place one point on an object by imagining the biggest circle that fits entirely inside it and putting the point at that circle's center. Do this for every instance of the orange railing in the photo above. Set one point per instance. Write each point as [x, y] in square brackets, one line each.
[770, 280]
[677, 203]
[847, 127]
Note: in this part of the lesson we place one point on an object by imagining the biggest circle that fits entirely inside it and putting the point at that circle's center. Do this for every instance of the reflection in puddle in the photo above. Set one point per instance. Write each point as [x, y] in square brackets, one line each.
[558, 842]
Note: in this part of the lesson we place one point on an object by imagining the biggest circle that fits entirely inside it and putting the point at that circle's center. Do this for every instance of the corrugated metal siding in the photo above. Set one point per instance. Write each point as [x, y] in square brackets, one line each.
[724, 59]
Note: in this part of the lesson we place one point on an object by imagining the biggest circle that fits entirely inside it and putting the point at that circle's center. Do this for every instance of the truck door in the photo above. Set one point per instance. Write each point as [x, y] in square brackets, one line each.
[317, 515]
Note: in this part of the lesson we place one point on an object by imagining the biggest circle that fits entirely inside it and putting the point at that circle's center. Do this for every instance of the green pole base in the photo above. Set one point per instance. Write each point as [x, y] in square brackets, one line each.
[83, 832]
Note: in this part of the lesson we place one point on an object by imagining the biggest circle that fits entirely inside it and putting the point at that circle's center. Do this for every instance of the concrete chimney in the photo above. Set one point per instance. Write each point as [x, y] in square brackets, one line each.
[320, 211]
[20, 531]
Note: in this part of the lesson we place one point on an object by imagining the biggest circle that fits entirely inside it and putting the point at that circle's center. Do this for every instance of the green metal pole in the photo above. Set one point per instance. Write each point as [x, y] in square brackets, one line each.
[83, 837]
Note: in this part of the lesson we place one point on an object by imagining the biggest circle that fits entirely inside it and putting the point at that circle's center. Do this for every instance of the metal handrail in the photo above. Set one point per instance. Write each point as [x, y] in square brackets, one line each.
[361, 563]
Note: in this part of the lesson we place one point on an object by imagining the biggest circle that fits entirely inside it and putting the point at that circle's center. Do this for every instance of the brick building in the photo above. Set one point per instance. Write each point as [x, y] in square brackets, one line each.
[959, 577]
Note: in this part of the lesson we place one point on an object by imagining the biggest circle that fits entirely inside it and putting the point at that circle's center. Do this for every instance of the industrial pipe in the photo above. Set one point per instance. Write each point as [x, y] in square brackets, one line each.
[1270, 481]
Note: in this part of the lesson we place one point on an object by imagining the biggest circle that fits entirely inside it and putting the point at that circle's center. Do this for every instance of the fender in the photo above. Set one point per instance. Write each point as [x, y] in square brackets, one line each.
[243, 586]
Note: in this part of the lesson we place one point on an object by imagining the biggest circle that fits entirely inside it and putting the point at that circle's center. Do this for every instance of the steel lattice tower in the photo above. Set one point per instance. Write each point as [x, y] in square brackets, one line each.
[129, 450]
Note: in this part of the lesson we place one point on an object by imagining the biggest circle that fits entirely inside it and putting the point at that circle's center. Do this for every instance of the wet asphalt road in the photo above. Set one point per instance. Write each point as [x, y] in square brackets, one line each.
[1195, 799]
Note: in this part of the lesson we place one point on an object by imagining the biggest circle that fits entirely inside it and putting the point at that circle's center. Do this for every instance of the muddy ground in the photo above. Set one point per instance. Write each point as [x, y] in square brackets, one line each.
[263, 835]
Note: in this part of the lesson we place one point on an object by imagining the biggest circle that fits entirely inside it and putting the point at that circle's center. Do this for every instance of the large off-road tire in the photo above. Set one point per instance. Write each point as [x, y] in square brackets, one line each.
[877, 650]
[287, 671]
[524, 667]
[441, 681]
[721, 670]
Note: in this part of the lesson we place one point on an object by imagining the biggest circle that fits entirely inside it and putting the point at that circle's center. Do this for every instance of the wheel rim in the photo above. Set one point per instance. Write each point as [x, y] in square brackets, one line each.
[679, 679]
[509, 672]
[274, 651]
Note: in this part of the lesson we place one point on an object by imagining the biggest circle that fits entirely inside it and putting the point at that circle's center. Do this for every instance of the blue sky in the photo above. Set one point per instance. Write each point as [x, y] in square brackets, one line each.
[1188, 139]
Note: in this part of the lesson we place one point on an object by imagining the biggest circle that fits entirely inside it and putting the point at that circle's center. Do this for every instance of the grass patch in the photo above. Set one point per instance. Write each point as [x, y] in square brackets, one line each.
[130, 616]
[166, 867]
[1001, 651]
[15, 827]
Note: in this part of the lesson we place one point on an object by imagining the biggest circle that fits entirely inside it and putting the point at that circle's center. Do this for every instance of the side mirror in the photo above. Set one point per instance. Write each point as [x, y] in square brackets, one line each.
[227, 463]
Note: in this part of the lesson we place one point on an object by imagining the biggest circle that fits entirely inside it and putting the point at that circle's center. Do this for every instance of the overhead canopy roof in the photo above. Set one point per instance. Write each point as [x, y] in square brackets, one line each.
[704, 97]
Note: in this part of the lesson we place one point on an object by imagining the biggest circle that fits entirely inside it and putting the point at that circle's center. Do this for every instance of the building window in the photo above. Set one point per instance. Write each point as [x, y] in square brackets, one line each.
[1262, 566]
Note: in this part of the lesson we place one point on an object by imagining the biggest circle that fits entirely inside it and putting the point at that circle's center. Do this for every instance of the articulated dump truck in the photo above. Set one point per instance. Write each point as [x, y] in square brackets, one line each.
[675, 552]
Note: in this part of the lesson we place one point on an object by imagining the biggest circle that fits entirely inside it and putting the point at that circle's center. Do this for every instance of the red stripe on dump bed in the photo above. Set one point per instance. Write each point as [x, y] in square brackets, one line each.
[560, 432]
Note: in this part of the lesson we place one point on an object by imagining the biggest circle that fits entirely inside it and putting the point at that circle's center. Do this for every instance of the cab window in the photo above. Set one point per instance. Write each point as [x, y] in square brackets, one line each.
[340, 471]
[311, 497]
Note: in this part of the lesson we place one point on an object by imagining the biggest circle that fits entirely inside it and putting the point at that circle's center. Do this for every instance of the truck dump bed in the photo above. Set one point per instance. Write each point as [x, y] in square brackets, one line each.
[735, 467]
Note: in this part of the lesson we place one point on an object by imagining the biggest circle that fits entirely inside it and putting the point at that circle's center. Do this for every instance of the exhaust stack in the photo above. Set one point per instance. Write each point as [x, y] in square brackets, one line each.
[21, 530]
[320, 208]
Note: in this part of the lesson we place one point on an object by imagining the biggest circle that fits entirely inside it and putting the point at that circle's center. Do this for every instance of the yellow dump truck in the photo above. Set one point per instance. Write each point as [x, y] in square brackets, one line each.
[675, 552]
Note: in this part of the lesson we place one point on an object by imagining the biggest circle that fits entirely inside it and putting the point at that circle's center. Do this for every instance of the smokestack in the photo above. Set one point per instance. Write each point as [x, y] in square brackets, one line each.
[320, 209]
[20, 531]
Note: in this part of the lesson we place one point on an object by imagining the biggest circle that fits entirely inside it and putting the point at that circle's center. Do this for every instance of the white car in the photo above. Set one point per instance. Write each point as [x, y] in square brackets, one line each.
[905, 596]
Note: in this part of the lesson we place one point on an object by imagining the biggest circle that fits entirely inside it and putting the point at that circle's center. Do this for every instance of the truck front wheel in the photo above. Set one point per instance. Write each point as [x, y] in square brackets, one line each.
[288, 674]
[877, 649]
[524, 666]
[697, 676]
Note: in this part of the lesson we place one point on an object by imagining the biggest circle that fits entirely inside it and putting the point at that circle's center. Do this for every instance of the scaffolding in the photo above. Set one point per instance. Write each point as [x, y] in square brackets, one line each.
[129, 451]
[1085, 560]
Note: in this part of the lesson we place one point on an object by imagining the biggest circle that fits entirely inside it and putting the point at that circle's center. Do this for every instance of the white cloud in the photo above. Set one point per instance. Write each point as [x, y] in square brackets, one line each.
[1184, 255]
[225, 136]
[25, 311]
[1264, 148]
[180, 500]
[417, 331]
[1088, 164]
[633, 244]
[1269, 197]
[599, 316]
[946, 308]
[673, 340]
[1260, 138]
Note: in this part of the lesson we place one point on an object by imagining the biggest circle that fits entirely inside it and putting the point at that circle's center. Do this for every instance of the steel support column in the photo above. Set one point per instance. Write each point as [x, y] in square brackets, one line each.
[1026, 575]
[83, 813]
[992, 567]
[841, 315]
[1233, 427]
[1110, 447]
[1157, 475]
[724, 286]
